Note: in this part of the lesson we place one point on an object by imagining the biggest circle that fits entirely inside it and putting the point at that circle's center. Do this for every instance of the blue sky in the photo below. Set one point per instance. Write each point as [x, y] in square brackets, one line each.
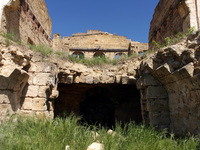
[128, 18]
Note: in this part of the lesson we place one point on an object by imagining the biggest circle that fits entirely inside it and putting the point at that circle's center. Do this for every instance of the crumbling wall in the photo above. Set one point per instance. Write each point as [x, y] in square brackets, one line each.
[27, 84]
[40, 11]
[13, 78]
[30, 21]
[171, 17]
[137, 47]
[169, 85]
[2, 4]
[40, 89]
[95, 41]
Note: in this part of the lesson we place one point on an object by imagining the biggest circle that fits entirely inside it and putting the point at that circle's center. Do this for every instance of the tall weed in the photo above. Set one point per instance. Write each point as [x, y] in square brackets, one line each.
[43, 134]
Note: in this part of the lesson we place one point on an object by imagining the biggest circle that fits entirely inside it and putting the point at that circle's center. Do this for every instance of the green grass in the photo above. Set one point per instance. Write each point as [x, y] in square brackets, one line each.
[92, 61]
[11, 36]
[42, 49]
[173, 39]
[97, 61]
[47, 134]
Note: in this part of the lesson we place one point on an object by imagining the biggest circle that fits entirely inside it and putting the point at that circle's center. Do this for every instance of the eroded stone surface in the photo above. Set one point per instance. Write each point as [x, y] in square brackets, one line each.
[171, 17]
[28, 19]
[172, 99]
[96, 43]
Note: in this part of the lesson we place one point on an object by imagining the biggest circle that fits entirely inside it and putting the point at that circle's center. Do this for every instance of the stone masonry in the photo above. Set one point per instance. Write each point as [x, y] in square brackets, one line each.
[169, 84]
[29, 20]
[97, 43]
[168, 79]
[173, 16]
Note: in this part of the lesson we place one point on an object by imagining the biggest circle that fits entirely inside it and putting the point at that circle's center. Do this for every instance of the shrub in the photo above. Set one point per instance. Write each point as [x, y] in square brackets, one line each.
[43, 49]
[11, 36]
[174, 39]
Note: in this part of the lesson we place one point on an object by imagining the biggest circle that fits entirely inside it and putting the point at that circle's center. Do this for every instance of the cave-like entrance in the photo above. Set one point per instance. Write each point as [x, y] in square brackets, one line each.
[99, 104]
[97, 107]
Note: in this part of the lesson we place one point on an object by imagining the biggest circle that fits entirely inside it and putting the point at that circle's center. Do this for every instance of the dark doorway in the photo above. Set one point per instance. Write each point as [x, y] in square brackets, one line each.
[102, 103]
[97, 107]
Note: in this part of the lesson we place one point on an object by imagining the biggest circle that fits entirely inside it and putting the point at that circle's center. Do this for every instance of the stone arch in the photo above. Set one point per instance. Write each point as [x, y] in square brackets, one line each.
[118, 55]
[78, 55]
[99, 55]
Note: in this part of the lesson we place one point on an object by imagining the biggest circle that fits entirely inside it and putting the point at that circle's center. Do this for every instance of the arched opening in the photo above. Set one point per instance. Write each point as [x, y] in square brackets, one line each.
[99, 55]
[97, 107]
[118, 55]
[78, 55]
[99, 104]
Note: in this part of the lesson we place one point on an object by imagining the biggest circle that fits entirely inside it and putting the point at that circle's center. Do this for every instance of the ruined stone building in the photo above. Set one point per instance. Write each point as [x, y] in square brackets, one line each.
[173, 16]
[28, 19]
[96, 43]
[163, 89]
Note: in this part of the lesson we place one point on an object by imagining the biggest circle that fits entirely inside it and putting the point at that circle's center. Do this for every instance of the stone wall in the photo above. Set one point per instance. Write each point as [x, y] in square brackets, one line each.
[168, 81]
[26, 82]
[30, 21]
[171, 17]
[32, 81]
[95, 41]
[169, 85]
[13, 78]
[2, 4]
[137, 47]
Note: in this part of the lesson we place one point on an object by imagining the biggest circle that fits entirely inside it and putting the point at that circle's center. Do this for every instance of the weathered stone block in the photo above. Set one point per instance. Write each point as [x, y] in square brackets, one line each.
[96, 80]
[110, 80]
[118, 79]
[32, 91]
[131, 71]
[139, 84]
[76, 79]
[185, 72]
[39, 104]
[132, 80]
[162, 71]
[4, 83]
[157, 105]
[42, 67]
[168, 79]
[104, 79]
[44, 79]
[43, 91]
[27, 104]
[89, 80]
[54, 94]
[149, 80]
[156, 92]
[125, 79]
[4, 99]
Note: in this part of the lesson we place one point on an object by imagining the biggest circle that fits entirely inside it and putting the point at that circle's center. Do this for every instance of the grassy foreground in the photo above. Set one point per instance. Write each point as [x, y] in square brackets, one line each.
[46, 134]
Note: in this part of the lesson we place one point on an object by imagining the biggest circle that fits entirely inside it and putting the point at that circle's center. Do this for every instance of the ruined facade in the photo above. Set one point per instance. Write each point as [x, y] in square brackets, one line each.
[162, 89]
[96, 43]
[28, 19]
[173, 16]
